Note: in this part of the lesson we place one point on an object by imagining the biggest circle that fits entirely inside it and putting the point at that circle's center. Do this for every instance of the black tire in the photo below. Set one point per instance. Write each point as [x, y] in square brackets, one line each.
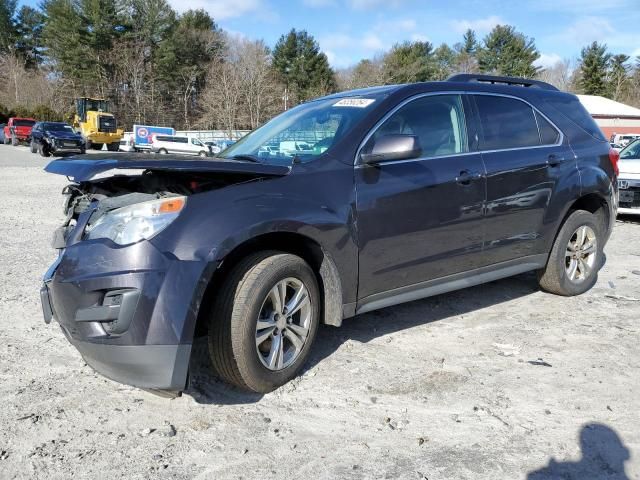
[113, 147]
[83, 151]
[554, 278]
[33, 148]
[97, 146]
[232, 328]
[162, 151]
[43, 150]
[202, 153]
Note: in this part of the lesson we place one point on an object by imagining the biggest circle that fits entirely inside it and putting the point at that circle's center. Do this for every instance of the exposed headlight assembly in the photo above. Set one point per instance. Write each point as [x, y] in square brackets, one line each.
[133, 223]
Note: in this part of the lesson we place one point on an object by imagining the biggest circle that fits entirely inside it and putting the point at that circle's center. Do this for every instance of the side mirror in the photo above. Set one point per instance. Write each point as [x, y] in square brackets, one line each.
[392, 147]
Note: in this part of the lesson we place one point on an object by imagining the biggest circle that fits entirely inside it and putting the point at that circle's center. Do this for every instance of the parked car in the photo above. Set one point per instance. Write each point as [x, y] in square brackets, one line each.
[164, 144]
[214, 148]
[18, 130]
[629, 179]
[416, 190]
[623, 139]
[55, 138]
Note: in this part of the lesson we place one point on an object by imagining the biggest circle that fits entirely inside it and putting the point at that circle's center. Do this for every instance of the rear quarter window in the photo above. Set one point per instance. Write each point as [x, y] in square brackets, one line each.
[571, 108]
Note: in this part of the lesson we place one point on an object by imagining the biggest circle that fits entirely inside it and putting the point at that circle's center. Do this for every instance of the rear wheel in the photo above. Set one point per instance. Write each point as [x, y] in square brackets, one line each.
[113, 147]
[576, 256]
[97, 146]
[264, 321]
[162, 151]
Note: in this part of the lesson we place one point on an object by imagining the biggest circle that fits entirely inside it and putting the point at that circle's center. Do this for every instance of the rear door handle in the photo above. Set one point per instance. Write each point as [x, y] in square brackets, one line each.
[466, 177]
[554, 160]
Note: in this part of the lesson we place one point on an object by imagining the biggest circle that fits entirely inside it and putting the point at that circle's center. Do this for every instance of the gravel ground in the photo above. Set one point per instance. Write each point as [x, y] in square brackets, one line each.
[497, 381]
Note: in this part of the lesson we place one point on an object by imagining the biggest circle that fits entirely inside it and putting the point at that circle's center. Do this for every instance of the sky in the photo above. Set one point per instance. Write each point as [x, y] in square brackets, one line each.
[349, 30]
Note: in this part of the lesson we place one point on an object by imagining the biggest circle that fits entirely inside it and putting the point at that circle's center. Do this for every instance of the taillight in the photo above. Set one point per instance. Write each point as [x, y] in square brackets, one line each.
[614, 156]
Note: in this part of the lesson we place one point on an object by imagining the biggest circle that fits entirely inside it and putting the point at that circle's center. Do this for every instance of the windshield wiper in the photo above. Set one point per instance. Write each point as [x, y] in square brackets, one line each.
[249, 158]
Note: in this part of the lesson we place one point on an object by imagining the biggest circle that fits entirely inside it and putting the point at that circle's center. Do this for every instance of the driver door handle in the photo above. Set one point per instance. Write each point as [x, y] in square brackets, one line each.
[467, 176]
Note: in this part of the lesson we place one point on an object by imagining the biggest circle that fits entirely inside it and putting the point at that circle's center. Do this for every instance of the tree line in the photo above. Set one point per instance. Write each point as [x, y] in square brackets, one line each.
[157, 66]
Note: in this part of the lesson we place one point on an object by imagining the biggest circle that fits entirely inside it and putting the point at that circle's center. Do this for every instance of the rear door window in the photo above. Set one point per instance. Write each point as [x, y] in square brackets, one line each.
[506, 123]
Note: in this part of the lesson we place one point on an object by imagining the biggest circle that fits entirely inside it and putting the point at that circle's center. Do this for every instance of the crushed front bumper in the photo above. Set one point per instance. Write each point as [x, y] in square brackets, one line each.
[127, 310]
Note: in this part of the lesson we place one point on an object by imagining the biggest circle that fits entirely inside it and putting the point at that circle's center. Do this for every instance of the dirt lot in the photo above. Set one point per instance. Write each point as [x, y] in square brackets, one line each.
[492, 382]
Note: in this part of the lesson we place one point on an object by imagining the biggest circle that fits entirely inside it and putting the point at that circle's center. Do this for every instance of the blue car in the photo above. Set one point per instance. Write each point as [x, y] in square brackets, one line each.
[55, 138]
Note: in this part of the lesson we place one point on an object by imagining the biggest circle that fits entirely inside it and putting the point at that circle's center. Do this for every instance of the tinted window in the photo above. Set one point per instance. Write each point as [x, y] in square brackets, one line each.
[181, 139]
[160, 138]
[23, 123]
[571, 107]
[437, 121]
[548, 133]
[631, 151]
[506, 123]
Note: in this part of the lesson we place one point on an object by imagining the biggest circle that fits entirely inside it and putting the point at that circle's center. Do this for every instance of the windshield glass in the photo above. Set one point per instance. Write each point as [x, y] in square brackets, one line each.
[23, 123]
[304, 132]
[631, 151]
[58, 127]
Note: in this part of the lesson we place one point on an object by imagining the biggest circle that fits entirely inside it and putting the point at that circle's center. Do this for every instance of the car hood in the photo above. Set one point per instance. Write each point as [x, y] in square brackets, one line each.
[62, 135]
[629, 166]
[88, 167]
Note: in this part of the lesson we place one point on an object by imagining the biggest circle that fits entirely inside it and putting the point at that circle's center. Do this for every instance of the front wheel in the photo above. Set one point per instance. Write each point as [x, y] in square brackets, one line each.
[202, 153]
[43, 150]
[113, 147]
[576, 256]
[97, 146]
[264, 321]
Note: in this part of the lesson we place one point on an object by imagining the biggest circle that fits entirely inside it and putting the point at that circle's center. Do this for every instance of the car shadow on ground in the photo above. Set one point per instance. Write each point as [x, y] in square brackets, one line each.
[205, 388]
[603, 456]
[633, 219]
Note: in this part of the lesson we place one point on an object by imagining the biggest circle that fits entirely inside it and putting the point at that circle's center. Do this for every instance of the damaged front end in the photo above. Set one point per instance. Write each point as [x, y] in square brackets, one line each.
[121, 295]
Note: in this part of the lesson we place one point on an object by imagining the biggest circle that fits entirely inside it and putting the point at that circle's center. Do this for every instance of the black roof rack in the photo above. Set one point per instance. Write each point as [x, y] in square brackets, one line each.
[517, 81]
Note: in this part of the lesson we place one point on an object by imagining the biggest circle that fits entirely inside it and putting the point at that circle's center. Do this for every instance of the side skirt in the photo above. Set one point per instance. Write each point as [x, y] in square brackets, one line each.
[450, 283]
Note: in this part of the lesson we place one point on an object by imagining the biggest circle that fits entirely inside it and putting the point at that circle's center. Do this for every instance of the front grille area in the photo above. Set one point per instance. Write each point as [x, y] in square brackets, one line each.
[629, 197]
[107, 124]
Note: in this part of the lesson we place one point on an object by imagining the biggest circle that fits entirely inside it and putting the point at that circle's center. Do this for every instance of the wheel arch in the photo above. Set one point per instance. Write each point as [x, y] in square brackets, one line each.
[324, 267]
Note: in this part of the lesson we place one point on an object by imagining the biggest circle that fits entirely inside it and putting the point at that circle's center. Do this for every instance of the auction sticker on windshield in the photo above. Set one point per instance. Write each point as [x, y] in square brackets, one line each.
[354, 102]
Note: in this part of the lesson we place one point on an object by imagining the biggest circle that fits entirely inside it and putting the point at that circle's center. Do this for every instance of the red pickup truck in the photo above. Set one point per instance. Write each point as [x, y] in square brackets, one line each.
[18, 130]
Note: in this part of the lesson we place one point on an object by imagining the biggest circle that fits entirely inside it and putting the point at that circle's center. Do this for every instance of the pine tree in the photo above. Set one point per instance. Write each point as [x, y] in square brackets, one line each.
[506, 51]
[30, 23]
[410, 62]
[594, 63]
[301, 66]
[8, 33]
[469, 42]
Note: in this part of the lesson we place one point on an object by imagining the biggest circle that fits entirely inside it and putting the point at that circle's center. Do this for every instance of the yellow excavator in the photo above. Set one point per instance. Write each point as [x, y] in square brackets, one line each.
[96, 124]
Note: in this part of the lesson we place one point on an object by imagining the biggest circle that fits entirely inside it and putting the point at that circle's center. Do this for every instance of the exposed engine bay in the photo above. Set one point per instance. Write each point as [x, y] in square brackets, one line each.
[104, 195]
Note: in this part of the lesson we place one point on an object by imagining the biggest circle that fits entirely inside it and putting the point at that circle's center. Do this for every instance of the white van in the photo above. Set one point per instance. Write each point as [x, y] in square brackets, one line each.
[127, 143]
[164, 144]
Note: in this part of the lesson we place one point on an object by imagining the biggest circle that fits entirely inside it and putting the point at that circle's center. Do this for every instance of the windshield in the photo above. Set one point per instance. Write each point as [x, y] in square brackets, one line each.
[58, 127]
[304, 132]
[631, 151]
[23, 123]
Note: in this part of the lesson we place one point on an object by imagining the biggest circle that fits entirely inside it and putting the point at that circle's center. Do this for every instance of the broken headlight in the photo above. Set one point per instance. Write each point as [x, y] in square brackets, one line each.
[133, 223]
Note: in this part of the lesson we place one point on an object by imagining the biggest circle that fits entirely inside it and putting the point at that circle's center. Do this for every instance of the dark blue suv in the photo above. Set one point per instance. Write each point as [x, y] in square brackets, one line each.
[345, 204]
[55, 138]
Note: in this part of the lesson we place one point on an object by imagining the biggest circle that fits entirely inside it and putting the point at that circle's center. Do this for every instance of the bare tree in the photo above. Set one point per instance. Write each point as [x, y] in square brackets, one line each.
[559, 75]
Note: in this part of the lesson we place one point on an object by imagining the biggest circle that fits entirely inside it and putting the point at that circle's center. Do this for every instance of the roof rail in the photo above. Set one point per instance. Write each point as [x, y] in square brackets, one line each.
[517, 81]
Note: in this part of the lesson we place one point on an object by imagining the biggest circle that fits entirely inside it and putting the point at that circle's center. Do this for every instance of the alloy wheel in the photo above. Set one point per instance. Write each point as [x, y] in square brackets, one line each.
[283, 324]
[581, 253]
